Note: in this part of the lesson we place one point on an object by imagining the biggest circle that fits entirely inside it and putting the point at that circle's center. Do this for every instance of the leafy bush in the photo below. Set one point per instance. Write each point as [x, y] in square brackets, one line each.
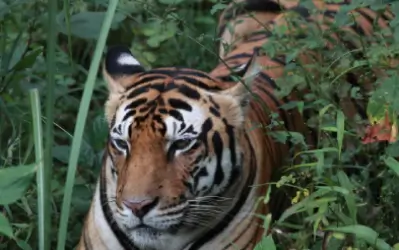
[345, 192]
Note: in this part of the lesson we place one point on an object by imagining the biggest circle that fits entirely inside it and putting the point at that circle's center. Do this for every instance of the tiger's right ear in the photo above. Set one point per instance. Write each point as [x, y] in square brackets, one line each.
[118, 65]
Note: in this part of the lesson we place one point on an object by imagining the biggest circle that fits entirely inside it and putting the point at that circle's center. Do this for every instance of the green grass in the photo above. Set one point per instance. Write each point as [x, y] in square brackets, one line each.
[54, 70]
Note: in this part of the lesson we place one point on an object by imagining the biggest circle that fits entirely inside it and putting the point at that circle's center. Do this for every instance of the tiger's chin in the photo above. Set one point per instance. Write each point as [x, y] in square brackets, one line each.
[148, 238]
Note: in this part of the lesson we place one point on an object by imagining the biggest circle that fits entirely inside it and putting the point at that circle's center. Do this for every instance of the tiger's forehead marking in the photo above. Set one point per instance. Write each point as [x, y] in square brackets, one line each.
[181, 118]
[188, 126]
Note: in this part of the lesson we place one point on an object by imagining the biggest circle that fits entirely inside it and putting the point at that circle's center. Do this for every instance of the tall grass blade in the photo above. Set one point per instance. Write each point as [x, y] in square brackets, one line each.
[49, 129]
[81, 121]
[42, 194]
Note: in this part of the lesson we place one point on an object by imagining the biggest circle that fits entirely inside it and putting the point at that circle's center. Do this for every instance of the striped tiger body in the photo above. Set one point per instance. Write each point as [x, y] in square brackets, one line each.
[183, 156]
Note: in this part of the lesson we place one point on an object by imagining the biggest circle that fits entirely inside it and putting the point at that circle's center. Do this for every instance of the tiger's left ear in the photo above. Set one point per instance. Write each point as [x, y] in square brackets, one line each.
[118, 65]
[241, 92]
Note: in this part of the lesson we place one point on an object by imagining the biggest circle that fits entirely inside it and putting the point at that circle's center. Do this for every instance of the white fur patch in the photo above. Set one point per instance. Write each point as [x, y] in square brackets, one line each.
[127, 59]
[124, 125]
[195, 118]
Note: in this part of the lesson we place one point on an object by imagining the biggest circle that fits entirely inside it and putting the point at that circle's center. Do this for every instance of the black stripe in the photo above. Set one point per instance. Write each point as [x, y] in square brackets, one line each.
[384, 16]
[365, 15]
[213, 102]
[119, 234]
[330, 13]
[197, 83]
[358, 29]
[258, 37]
[134, 104]
[233, 212]
[190, 72]
[218, 148]
[238, 56]
[269, 80]
[205, 128]
[138, 91]
[189, 92]
[179, 104]
[176, 114]
[261, 5]
[129, 114]
[145, 79]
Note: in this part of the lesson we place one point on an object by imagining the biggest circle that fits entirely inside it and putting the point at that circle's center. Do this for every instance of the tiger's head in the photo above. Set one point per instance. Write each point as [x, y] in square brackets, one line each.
[174, 154]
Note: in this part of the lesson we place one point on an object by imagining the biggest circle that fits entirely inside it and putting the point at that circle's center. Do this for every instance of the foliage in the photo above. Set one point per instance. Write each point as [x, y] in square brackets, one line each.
[345, 192]
[346, 196]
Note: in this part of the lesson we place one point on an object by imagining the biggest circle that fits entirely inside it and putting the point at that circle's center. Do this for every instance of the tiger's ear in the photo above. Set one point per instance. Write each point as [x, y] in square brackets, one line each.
[119, 64]
[241, 92]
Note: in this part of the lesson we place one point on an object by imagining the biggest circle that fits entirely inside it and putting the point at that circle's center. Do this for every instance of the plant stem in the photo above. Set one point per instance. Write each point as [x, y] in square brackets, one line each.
[42, 197]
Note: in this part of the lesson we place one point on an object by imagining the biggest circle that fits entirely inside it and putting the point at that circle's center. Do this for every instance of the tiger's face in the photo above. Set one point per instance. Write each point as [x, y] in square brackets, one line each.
[174, 149]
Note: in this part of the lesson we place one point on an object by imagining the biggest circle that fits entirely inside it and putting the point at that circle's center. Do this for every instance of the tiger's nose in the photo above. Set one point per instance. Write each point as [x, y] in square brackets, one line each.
[140, 207]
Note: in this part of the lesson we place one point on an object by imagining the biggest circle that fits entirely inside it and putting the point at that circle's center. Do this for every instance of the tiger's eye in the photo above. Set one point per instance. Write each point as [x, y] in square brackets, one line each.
[121, 143]
[182, 143]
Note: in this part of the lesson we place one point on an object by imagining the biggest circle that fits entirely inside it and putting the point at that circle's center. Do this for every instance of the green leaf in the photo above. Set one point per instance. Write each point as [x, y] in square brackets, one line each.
[392, 164]
[14, 181]
[267, 243]
[384, 99]
[23, 245]
[365, 233]
[349, 197]
[61, 153]
[5, 227]
[4, 9]
[28, 60]
[217, 7]
[266, 198]
[86, 24]
[316, 151]
[341, 190]
[17, 52]
[320, 162]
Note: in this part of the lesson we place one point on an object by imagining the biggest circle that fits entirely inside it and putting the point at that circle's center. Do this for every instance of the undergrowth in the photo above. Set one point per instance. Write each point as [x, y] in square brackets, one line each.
[346, 193]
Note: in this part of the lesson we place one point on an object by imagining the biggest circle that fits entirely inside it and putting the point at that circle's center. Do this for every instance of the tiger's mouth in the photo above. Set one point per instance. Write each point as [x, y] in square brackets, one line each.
[144, 228]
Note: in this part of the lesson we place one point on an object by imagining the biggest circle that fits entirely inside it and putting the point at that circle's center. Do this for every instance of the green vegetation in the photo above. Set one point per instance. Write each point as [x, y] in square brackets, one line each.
[344, 194]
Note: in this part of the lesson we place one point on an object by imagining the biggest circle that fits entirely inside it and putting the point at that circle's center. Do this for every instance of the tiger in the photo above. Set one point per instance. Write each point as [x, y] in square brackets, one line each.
[184, 166]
